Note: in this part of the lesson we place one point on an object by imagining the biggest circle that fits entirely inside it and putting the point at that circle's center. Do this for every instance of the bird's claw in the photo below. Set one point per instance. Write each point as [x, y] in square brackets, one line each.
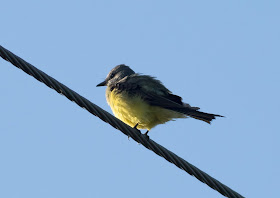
[135, 127]
[146, 135]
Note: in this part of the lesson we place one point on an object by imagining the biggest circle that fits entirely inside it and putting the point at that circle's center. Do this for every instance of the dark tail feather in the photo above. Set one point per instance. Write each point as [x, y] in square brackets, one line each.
[194, 113]
[206, 117]
[174, 103]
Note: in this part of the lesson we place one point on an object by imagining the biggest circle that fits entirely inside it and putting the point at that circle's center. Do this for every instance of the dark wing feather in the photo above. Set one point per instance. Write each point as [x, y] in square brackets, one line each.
[174, 98]
[168, 104]
[155, 93]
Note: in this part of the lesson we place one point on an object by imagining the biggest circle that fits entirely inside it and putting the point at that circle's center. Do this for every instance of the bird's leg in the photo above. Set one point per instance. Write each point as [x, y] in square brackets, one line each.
[146, 135]
[135, 127]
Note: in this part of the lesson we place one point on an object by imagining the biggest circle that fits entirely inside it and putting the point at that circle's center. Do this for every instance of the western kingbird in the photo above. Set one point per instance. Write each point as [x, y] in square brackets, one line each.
[143, 102]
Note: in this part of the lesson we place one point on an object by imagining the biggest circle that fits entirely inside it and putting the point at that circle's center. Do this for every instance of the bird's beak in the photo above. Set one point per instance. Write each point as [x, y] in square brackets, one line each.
[102, 84]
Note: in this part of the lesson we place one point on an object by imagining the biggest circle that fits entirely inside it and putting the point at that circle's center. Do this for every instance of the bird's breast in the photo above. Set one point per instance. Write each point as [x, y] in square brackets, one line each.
[132, 110]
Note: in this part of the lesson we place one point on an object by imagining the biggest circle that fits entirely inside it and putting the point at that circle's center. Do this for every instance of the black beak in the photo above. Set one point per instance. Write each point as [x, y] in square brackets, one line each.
[102, 84]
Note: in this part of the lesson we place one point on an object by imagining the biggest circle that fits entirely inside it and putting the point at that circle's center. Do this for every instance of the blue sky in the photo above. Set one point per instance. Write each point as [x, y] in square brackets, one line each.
[221, 56]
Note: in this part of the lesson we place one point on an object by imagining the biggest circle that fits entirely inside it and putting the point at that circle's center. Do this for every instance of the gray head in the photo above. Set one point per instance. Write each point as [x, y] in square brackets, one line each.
[116, 74]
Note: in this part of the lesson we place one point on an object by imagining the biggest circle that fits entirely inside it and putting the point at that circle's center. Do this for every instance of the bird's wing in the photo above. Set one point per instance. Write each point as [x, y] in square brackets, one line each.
[152, 91]
[155, 93]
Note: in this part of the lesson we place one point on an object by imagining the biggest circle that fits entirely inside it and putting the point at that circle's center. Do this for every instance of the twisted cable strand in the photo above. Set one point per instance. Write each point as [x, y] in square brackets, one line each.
[118, 124]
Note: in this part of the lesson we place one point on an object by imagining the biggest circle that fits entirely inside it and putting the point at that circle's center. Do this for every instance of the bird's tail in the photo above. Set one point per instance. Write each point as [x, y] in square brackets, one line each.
[206, 117]
[174, 103]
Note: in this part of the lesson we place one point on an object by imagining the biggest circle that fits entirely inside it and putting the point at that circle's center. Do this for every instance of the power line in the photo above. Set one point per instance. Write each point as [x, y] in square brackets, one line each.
[118, 124]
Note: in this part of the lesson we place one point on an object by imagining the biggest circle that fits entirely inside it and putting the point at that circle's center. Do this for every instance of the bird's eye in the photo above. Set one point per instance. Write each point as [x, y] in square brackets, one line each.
[112, 75]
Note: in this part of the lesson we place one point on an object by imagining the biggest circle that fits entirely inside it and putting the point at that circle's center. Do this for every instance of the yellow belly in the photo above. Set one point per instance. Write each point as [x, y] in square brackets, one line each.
[133, 110]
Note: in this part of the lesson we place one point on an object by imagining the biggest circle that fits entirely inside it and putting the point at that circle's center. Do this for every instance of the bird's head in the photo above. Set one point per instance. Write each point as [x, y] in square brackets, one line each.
[116, 74]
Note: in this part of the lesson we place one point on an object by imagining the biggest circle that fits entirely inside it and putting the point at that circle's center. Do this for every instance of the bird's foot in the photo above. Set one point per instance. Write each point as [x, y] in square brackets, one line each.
[146, 135]
[135, 127]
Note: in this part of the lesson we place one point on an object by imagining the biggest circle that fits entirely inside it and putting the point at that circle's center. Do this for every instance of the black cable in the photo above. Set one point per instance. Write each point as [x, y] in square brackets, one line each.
[118, 124]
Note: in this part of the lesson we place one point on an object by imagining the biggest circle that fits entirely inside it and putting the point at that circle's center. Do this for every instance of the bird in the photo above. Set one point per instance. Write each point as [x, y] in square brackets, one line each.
[143, 102]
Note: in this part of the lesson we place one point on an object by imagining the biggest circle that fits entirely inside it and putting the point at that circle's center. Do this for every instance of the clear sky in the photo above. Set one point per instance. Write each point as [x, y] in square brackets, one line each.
[222, 56]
